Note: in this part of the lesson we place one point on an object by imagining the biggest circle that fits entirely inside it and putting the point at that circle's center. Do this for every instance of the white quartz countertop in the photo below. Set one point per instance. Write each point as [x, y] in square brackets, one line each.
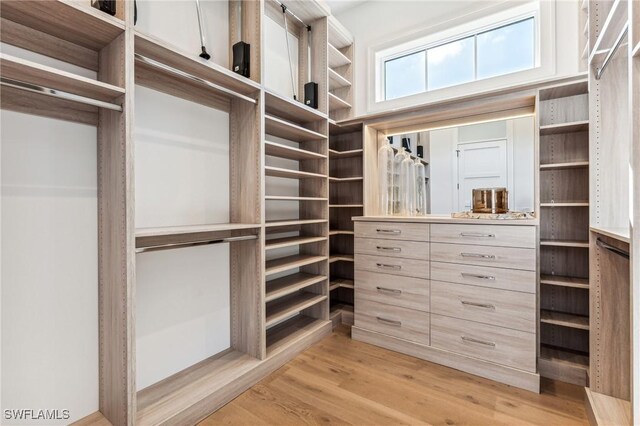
[446, 219]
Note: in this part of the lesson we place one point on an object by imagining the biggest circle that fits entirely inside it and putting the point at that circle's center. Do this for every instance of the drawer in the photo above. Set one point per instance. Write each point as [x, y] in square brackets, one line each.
[406, 292]
[485, 276]
[405, 249]
[501, 257]
[486, 305]
[393, 230]
[504, 346]
[393, 321]
[393, 265]
[485, 235]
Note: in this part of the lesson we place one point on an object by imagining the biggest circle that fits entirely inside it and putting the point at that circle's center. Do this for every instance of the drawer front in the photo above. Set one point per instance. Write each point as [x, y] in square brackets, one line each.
[393, 231]
[486, 305]
[406, 292]
[486, 235]
[485, 276]
[501, 257]
[392, 265]
[393, 321]
[397, 248]
[504, 346]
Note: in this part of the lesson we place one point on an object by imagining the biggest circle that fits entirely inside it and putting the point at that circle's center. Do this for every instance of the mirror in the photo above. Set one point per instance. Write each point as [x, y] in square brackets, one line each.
[480, 155]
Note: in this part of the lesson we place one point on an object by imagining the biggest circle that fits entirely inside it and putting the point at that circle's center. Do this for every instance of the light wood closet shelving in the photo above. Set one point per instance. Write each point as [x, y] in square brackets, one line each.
[340, 71]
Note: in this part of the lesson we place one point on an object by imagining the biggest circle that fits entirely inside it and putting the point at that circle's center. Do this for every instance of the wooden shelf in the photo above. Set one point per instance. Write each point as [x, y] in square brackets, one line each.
[290, 284]
[95, 419]
[291, 262]
[283, 129]
[345, 154]
[340, 258]
[278, 243]
[148, 237]
[565, 243]
[341, 283]
[293, 222]
[566, 204]
[291, 174]
[291, 198]
[337, 58]
[607, 410]
[340, 129]
[79, 24]
[336, 81]
[339, 36]
[285, 307]
[345, 179]
[346, 206]
[283, 151]
[336, 103]
[564, 320]
[160, 402]
[288, 109]
[575, 126]
[558, 166]
[564, 90]
[564, 281]
[572, 358]
[341, 232]
[291, 331]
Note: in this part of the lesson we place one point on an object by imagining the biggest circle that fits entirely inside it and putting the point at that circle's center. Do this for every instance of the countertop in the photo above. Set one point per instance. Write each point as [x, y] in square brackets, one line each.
[432, 218]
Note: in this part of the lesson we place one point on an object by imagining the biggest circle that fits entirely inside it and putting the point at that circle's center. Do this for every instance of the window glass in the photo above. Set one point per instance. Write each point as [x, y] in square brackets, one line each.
[450, 64]
[506, 49]
[405, 76]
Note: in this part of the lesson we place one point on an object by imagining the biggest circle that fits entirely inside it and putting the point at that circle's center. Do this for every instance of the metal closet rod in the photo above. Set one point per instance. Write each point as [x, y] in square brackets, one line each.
[47, 91]
[286, 10]
[612, 51]
[612, 249]
[202, 81]
[195, 243]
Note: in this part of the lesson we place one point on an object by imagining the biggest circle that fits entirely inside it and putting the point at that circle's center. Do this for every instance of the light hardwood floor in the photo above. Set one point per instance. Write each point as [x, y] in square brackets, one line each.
[341, 381]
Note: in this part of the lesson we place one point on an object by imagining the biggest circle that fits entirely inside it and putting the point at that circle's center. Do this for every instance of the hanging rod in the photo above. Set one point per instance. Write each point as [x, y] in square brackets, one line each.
[195, 243]
[286, 10]
[612, 51]
[191, 77]
[612, 249]
[34, 88]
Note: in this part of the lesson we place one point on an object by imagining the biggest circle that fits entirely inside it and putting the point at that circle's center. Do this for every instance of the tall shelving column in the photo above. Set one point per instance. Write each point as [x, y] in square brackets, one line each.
[340, 71]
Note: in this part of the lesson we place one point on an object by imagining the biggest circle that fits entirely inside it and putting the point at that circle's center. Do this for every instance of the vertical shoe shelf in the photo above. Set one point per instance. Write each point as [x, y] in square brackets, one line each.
[340, 71]
[563, 119]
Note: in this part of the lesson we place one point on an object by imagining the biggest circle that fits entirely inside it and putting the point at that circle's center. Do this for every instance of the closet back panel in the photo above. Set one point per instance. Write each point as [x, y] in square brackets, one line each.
[564, 110]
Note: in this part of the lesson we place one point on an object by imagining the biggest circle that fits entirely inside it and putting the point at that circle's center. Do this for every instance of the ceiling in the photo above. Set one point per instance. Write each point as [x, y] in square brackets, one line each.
[339, 6]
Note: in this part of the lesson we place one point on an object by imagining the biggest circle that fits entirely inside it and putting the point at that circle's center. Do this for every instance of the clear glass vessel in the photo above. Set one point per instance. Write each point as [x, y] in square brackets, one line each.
[408, 187]
[421, 188]
[385, 178]
[398, 184]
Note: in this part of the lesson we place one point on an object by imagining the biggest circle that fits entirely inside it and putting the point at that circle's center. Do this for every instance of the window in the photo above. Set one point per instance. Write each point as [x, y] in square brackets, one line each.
[502, 49]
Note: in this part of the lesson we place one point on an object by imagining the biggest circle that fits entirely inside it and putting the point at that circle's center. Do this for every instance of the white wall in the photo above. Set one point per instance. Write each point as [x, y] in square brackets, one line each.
[277, 73]
[381, 22]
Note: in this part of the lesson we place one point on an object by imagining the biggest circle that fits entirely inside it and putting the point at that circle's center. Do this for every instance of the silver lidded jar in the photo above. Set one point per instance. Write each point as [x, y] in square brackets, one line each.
[490, 200]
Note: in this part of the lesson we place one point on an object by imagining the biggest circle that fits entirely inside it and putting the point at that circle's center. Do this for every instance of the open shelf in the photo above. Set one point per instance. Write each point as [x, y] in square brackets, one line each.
[608, 410]
[283, 151]
[278, 243]
[341, 232]
[554, 129]
[566, 204]
[346, 206]
[558, 355]
[292, 174]
[283, 129]
[292, 330]
[564, 281]
[290, 284]
[292, 304]
[160, 402]
[336, 81]
[149, 237]
[337, 257]
[291, 262]
[564, 90]
[292, 222]
[288, 109]
[337, 58]
[339, 36]
[564, 319]
[565, 243]
[345, 179]
[558, 166]
[292, 198]
[336, 103]
[345, 154]
[341, 283]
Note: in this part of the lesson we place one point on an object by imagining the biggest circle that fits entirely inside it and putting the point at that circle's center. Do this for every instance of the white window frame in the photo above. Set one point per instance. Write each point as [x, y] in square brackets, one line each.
[543, 13]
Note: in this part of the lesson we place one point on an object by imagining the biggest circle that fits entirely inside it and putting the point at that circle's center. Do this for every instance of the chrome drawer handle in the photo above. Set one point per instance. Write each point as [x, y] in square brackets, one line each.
[389, 290]
[477, 234]
[482, 277]
[483, 256]
[393, 249]
[480, 342]
[389, 231]
[479, 305]
[389, 322]
[383, 266]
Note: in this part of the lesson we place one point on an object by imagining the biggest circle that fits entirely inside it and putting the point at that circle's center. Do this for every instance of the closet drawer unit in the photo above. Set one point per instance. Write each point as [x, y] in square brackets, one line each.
[393, 265]
[501, 257]
[406, 292]
[485, 276]
[502, 308]
[403, 249]
[393, 231]
[485, 235]
[500, 345]
[393, 321]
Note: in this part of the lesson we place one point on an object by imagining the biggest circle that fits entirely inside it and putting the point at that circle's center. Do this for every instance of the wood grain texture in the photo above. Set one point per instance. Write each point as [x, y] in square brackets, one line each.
[489, 235]
[485, 276]
[393, 248]
[407, 292]
[395, 321]
[392, 231]
[393, 266]
[499, 257]
[606, 410]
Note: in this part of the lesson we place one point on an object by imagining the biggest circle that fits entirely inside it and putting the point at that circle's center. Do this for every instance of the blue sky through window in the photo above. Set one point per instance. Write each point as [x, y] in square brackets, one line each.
[450, 64]
[404, 76]
[507, 49]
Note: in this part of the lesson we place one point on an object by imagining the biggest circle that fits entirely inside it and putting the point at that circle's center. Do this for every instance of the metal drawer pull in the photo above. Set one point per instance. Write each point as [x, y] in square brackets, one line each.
[389, 322]
[477, 234]
[482, 277]
[483, 256]
[383, 266]
[480, 342]
[479, 305]
[393, 249]
[389, 290]
[389, 231]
